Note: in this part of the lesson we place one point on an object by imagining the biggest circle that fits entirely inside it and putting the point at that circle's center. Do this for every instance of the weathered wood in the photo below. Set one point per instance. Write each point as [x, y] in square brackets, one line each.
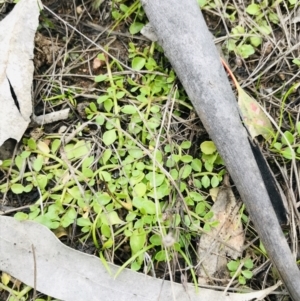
[184, 36]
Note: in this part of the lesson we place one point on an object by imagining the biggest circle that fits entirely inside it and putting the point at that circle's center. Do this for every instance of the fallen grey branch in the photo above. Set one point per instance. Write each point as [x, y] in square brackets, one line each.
[70, 275]
[51, 117]
[184, 36]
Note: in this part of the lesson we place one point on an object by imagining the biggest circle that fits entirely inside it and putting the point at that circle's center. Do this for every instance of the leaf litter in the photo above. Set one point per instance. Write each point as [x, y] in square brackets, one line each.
[226, 240]
[252, 113]
[17, 33]
[93, 280]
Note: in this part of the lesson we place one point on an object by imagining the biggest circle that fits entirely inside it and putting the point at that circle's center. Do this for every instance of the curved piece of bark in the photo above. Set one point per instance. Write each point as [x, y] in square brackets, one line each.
[184, 36]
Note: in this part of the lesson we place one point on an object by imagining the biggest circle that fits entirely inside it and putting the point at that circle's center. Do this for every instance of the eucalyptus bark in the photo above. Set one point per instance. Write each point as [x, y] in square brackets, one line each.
[184, 36]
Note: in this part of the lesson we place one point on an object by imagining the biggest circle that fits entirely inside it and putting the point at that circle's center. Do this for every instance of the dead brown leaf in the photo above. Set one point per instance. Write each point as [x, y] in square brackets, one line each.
[223, 241]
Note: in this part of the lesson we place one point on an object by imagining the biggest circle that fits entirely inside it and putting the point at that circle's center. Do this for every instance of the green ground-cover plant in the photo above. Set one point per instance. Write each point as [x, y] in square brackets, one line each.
[124, 190]
[244, 42]
[246, 34]
[288, 145]
[286, 141]
[241, 269]
[21, 293]
[137, 183]
[126, 206]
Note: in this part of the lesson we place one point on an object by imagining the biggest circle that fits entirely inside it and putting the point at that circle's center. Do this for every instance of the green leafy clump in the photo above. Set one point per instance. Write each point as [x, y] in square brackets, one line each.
[286, 142]
[246, 37]
[136, 198]
[244, 40]
[241, 269]
[212, 161]
[121, 12]
[288, 146]
[135, 183]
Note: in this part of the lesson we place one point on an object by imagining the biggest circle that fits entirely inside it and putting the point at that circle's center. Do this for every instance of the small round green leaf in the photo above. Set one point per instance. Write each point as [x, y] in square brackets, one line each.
[155, 109]
[135, 266]
[197, 183]
[19, 161]
[102, 98]
[174, 174]
[140, 166]
[17, 188]
[106, 155]
[104, 175]
[288, 153]
[185, 171]
[208, 166]
[31, 143]
[200, 209]
[42, 181]
[296, 62]
[105, 230]
[108, 104]
[139, 190]
[38, 163]
[28, 187]
[278, 145]
[214, 181]
[93, 107]
[83, 222]
[69, 217]
[287, 138]
[149, 207]
[255, 41]
[137, 240]
[248, 263]
[111, 218]
[136, 27]
[253, 9]
[209, 215]
[233, 265]
[186, 144]
[242, 280]
[196, 165]
[154, 123]
[138, 202]
[264, 27]
[109, 137]
[155, 239]
[186, 158]
[161, 256]
[196, 196]
[55, 145]
[156, 179]
[138, 63]
[247, 274]
[245, 50]
[205, 181]
[21, 216]
[100, 78]
[136, 153]
[128, 109]
[238, 30]
[208, 147]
